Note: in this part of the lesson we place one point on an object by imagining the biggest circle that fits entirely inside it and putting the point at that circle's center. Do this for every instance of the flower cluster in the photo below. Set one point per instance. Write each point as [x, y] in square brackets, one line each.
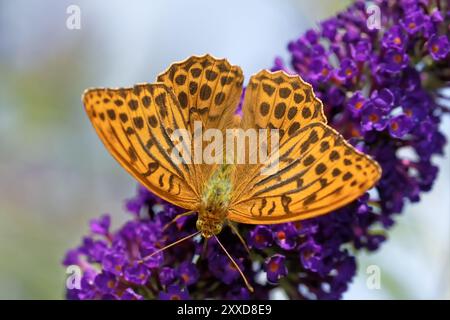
[381, 89]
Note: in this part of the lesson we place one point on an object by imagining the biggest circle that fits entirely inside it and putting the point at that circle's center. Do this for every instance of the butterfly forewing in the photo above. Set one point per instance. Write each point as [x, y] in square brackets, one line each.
[134, 124]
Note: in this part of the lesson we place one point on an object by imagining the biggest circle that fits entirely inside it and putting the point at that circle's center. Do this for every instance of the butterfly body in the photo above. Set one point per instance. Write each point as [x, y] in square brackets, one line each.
[216, 197]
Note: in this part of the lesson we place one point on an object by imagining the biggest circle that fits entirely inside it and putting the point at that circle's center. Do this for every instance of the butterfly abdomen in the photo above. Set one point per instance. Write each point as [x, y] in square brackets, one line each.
[215, 200]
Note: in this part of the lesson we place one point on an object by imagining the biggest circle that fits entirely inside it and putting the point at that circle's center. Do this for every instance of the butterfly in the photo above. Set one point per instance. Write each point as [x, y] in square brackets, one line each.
[317, 170]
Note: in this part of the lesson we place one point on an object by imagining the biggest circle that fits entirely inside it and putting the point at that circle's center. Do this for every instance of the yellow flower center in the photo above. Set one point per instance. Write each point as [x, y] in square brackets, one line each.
[273, 266]
[281, 235]
[398, 58]
[185, 277]
[394, 126]
[374, 117]
[358, 105]
[259, 238]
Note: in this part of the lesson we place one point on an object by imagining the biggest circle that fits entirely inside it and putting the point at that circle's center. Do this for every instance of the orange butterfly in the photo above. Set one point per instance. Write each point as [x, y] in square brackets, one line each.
[318, 171]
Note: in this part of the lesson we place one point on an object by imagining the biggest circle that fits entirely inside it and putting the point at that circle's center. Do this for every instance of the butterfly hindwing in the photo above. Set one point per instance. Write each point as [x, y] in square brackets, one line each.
[278, 100]
[275, 100]
[318, 173]
[206, 86]
[208, 91]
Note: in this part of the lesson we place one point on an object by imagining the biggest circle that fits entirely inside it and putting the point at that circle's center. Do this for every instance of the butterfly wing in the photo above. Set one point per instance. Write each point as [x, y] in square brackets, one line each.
[208, 90]
[318, 171]
[278, 100]
[274, 100]
[135, 125]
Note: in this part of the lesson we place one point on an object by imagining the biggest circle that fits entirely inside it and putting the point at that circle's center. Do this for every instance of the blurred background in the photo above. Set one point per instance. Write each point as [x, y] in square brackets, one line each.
[55, 175]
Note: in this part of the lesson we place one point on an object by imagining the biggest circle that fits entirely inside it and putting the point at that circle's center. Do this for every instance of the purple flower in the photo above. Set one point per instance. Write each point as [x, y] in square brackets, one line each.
[113, 262]
[94, 249]
[174, 293]
[136, 273]
[438, 46]
[72, 257]
[101, 225]
[153, 261]
[436, 16]
[321, 70]
[277, 65]
[394, 38]
[188, 273]
[329, 28]
[395, 61]
[275, 268]
[361, 51]
[311, 255]
[373, 118]
[335, 96]
[222, 268]
[413, 22]
[166, 275]
[399, 126]
[383, 100]
[312, 36]
[356, 103]
[106, 282]
[285, 235]
[261, 237]
[135, 205]
[347, 70]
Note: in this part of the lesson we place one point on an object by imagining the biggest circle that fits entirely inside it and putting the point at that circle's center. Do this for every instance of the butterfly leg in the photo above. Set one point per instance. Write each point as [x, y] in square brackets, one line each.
[169, 246]
[236, 232]
[184, 214]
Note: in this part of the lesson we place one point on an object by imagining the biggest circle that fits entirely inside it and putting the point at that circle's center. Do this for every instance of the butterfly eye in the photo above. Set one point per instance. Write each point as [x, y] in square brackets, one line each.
[217, 228]
[199, 225]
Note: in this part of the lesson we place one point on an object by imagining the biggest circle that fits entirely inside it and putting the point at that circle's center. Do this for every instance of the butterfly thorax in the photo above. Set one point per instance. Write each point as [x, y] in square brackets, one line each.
[215, 200]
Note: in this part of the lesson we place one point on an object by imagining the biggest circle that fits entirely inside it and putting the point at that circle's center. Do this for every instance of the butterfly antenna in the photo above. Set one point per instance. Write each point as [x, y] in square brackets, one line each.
[169, 245]
[249, 287]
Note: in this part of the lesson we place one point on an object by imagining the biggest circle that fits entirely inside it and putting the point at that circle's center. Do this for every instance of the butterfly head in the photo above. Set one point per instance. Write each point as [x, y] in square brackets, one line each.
[209, 228]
